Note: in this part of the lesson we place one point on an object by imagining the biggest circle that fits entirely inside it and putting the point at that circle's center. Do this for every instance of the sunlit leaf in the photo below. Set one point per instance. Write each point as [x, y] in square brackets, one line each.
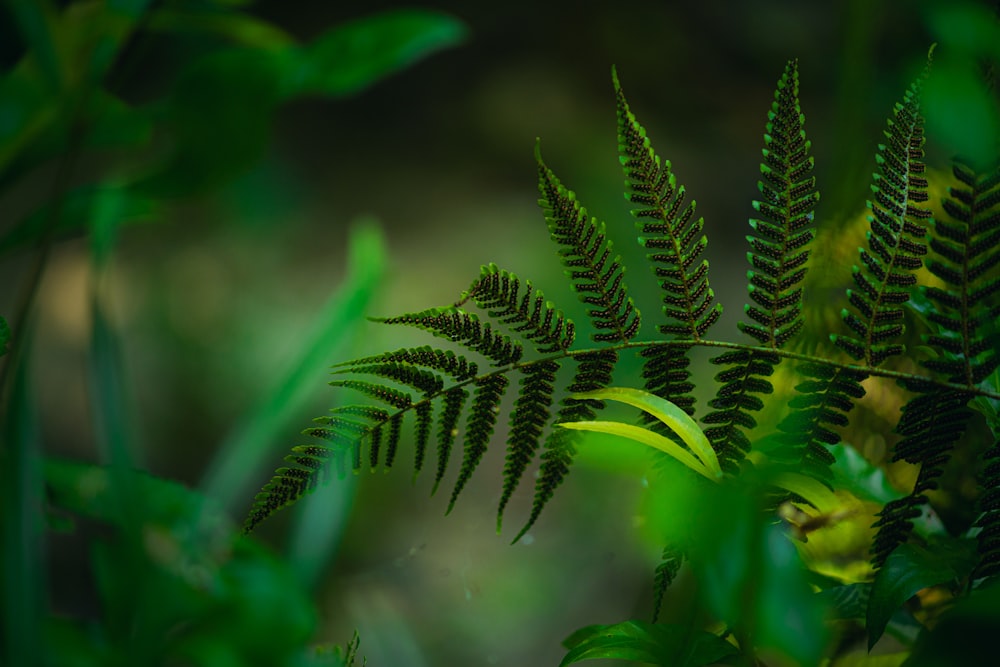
[808, 489]
[670, 415]
[674, 645]
[644, 436]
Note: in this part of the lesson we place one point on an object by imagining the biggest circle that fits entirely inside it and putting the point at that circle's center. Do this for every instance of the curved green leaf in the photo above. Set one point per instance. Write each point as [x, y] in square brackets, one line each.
[646, 437]
[809, 489]
[670, 415]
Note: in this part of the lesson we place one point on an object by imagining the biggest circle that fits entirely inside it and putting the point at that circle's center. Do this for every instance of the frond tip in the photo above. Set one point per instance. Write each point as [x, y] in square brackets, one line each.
[670, 230]
[597, 275]
[896, 240]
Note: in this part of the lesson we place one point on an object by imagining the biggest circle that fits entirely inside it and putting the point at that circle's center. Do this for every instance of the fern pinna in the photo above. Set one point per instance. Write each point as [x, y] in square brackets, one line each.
[514, 342]
[962, 314]
[882, 280]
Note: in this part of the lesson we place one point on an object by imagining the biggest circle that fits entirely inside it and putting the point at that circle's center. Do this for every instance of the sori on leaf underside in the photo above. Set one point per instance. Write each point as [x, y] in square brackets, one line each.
[514, 340]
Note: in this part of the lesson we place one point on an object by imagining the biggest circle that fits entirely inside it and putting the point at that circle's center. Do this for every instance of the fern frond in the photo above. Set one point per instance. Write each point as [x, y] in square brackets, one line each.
[673, 235]
[527, 421]
[823, 400]
[596, 274]
[479, 428]
[735, 401]
[896, 239]
[412, 376]
[451, 412]
[931, 424]
[965, 246]
[464, 328]
[895, 247]
[666, 375]
[499, 293]
[779, 249]
[965, 253]
[670, 564]
[445, 361]
[669, 229]
[394, 397]
[593, 372]
[778, 254]
[989, 518]
[440, 378]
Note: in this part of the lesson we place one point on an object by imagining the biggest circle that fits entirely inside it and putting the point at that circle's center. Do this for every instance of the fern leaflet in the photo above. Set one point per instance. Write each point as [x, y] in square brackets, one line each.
[586, 252]
[778, 253]
[962, 252]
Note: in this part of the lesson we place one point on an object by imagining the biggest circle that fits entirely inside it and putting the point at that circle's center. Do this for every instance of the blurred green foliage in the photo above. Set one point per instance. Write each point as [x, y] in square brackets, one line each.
[174, 582]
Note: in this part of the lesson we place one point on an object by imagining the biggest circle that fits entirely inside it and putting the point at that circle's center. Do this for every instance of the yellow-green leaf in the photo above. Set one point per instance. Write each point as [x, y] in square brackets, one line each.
[646, 437]
[672, 416]
[808, 489]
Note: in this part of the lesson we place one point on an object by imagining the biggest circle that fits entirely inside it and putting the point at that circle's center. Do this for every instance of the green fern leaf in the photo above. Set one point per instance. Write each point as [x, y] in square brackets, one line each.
[527, 421]
[464, 328]
[989, 519]
[669, 229]
[964, 254]
[895, 248]
[779, 249]
[498, 292]
[673, 234]
[593, 372]
[451, 412]
[597, 275]
[895, 241]
[479, 429]
[778, 254]
[394, 397]
[964, 248]
[446, 361]
[407, 374]
[670, 564]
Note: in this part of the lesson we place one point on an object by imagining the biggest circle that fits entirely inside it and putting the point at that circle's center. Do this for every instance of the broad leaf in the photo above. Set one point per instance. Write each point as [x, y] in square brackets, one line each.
[906, 571]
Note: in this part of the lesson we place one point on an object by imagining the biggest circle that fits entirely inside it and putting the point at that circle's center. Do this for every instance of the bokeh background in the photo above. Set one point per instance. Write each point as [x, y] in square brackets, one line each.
[216, 299]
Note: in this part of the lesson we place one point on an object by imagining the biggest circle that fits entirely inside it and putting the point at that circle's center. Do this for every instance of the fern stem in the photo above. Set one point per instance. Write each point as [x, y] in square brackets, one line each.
[785, 354]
